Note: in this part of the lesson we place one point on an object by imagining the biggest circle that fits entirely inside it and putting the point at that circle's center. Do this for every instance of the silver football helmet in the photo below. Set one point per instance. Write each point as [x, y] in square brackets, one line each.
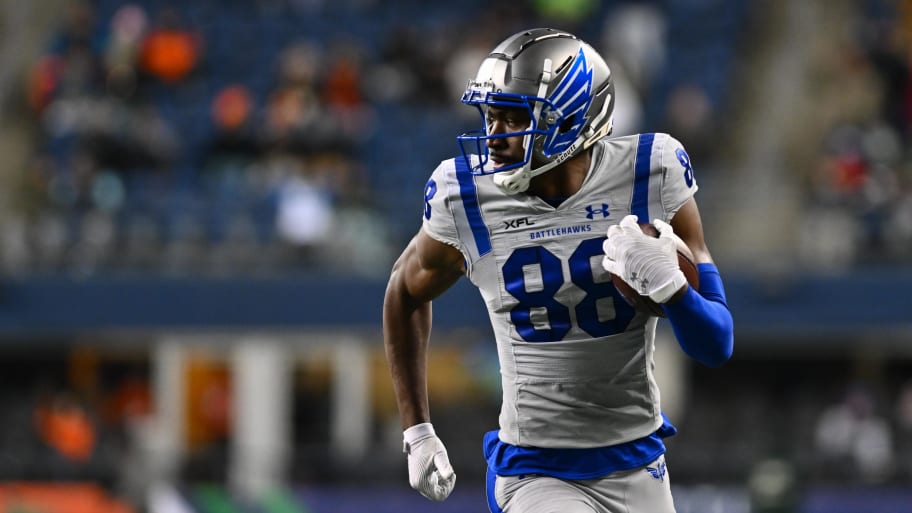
[563, 83]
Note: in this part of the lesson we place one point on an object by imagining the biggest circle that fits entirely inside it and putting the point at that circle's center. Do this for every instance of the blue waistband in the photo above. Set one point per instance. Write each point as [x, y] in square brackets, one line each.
[511, 460]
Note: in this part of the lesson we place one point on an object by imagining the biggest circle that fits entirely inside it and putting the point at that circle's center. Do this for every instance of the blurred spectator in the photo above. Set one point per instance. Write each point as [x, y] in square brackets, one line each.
[773, 487]
[64, 425]
[852, 437]
[78, 70]
[43, 81]
[414, 63]
[234, 144]
[341, 89]
[294, 119]
[130, 138]
[209, 401]
[129, 400]
[232, 108]
[122, 48]
[634, 35]
[463, 64]
[304, 217]
[77, 29]
[885, 40]
[170, 51]
[628, 111]
[342, 92]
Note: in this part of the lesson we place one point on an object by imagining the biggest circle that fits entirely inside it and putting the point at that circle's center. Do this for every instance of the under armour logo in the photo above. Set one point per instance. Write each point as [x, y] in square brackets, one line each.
[657, 472]
[638, 282]
[591, 211]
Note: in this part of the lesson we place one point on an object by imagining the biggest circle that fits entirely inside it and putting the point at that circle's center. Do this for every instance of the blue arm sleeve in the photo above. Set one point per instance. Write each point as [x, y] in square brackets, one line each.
[702, 322]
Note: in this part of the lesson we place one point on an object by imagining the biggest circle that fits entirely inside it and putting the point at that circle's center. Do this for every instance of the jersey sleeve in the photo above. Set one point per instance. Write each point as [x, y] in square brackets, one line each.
[679, 183]
[438, 219]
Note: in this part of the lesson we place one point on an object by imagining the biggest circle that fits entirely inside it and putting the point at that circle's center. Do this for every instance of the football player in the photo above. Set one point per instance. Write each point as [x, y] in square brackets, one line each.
[524, 214]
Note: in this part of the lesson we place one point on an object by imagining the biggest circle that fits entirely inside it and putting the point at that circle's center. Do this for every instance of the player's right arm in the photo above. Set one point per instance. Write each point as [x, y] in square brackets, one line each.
[425, 270]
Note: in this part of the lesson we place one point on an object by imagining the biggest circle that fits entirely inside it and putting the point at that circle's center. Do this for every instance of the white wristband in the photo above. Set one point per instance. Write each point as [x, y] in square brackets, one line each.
[416, 433]
[668, 289]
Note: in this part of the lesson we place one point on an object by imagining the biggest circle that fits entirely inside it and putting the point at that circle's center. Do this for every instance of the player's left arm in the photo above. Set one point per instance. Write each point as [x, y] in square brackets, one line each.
[700, 318]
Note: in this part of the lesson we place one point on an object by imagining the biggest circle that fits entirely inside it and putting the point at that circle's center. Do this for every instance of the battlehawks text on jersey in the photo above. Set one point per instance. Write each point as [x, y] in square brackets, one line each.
[576, 360]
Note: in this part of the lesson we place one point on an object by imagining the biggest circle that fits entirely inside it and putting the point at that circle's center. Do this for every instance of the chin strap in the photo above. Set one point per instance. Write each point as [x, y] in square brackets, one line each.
[516, 181]
[513, 182]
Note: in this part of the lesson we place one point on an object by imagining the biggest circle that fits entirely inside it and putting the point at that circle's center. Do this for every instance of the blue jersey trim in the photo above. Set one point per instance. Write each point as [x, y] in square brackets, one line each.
[639, 205]
[470, 204]
[511, 460]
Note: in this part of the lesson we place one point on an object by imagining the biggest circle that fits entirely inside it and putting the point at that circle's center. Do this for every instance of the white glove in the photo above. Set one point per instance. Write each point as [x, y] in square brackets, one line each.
[429, 466]
[648, 264]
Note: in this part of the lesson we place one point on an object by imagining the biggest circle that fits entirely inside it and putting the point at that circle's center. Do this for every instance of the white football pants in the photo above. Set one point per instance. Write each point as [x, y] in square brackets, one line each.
[643, 490]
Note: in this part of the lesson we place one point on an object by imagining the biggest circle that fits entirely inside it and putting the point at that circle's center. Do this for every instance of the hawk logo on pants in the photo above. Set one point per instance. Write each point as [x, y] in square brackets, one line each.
[657, 472]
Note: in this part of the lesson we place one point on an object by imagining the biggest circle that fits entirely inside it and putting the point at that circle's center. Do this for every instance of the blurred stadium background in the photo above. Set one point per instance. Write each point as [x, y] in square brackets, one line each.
[200, 200]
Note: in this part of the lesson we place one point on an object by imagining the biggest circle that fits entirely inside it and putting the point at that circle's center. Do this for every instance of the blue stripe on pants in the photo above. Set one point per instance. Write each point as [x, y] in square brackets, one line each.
[490, 479]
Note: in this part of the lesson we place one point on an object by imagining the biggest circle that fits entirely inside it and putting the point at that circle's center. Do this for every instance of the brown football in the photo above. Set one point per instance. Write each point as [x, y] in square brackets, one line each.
[644, 303]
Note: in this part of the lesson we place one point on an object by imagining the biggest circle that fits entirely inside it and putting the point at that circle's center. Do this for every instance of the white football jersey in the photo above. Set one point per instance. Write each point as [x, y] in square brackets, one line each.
[576, 360]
